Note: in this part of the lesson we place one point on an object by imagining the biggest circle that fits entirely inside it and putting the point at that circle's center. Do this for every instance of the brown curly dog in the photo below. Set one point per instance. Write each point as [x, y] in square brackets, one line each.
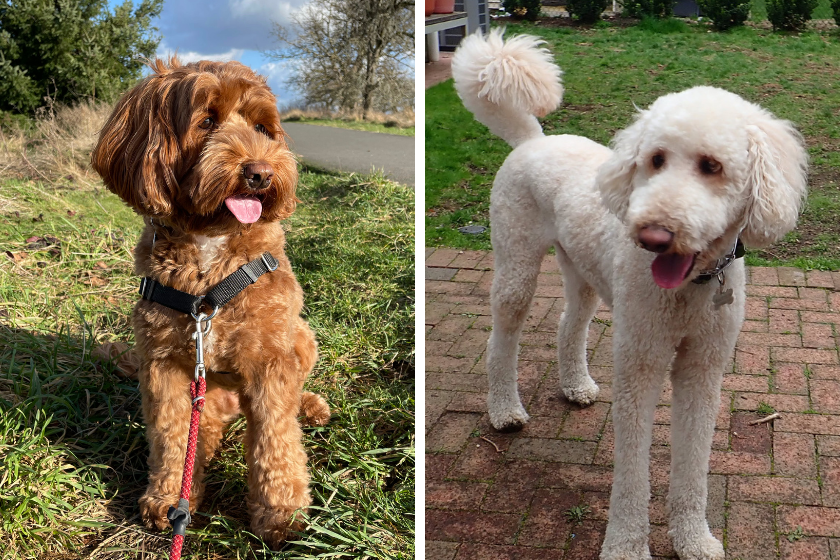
[198, 150]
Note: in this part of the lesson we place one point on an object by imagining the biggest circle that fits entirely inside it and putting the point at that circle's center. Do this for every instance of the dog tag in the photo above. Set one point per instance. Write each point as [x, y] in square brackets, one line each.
[723, 298]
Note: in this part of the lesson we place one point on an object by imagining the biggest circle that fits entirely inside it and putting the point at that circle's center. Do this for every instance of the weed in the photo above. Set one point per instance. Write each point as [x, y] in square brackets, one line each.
[576, 514]
[795, 534]
[764, 408]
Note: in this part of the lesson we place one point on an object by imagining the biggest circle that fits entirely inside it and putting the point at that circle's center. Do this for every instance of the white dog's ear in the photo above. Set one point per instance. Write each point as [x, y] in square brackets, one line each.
[615, 176]
[777, 180]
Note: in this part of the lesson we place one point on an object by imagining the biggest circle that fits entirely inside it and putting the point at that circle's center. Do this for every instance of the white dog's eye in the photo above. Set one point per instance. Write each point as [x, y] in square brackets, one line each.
[709, 166]
[658, 160]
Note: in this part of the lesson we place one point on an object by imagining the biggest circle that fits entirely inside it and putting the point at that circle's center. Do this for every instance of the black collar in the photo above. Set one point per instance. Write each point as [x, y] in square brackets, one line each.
[219, 295]
[735, 253]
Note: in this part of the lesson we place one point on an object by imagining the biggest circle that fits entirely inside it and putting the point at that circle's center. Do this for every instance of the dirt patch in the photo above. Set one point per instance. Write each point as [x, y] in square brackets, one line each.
[476, 170]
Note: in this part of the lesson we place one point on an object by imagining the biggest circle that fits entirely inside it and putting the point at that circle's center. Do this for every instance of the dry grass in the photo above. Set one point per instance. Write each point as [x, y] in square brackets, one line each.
[403, 119]
[56, 148]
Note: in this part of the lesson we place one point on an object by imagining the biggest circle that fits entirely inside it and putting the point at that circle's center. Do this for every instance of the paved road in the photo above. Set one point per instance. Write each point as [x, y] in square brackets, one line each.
[340, 149]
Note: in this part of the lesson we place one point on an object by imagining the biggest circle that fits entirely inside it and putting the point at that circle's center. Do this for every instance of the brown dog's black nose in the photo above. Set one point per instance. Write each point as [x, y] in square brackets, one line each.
[258, 175]
[656, 238]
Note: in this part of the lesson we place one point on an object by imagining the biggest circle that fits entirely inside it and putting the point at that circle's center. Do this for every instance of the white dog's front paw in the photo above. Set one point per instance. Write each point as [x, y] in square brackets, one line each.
[506, 415]
[628, 551]
[696, 545]
[583, 393]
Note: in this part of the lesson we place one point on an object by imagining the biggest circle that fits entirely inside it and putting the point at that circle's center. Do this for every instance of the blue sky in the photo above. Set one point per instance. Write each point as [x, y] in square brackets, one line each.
[226, 30]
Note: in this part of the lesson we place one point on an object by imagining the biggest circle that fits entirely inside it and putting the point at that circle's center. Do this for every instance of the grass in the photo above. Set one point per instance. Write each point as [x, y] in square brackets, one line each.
[401, 122]
[608, 69]
[360, 125]
[72, 445]
[764, 408]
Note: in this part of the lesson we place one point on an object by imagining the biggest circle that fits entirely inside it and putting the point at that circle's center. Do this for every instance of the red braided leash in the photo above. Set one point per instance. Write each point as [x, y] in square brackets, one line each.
[180, 516]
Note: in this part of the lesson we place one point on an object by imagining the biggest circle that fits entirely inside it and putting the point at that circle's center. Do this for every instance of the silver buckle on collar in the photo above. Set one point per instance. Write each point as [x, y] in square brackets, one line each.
[723, 262]
[268, 265]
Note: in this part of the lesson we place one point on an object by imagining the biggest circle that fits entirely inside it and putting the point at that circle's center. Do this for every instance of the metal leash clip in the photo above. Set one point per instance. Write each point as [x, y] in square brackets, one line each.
[203, 324]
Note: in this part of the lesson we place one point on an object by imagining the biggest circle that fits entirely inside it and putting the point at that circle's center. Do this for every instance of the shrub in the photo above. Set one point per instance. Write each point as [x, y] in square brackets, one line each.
[790, 15]
[725, 14]
[72, 50]
[650, 8]
[588, 11]
[528, 9]
[835, 8]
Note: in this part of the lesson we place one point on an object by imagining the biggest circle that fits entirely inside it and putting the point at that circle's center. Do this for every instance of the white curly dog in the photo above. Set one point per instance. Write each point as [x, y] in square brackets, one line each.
[651, 227]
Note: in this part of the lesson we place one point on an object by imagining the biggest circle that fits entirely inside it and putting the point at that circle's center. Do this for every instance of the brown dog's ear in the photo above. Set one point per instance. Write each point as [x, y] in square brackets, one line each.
[138, 148]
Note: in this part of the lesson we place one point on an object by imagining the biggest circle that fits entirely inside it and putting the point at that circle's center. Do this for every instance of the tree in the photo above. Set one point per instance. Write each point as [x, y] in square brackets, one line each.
[67, 50]
[351, 54]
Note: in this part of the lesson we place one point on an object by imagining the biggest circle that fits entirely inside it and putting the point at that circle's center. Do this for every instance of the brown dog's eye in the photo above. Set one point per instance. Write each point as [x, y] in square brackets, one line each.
[708, 166]
[658, 160]
[262, 129]
[207, 123]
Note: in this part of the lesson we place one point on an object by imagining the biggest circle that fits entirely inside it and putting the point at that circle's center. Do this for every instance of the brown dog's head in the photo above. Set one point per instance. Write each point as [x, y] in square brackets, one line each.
[199, 145]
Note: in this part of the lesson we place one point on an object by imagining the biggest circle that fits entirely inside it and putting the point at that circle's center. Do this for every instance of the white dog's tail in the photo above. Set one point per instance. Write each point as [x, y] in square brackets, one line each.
[507, 84]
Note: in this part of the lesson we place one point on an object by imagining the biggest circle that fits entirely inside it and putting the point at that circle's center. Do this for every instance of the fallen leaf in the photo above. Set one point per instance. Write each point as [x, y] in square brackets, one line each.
[97, 282]
[16, 257]
[102, 265]
[71, 213]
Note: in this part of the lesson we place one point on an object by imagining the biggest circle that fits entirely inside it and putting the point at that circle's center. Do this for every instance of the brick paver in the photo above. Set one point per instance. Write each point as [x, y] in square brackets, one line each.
[774, 489]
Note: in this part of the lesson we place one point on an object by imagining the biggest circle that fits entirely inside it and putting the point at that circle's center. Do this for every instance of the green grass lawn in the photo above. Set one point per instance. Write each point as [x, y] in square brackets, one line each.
[360, 125]
[608, 69]
[72, 445]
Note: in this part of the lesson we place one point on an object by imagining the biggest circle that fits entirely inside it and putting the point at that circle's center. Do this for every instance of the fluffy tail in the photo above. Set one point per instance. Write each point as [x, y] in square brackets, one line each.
[507, 84]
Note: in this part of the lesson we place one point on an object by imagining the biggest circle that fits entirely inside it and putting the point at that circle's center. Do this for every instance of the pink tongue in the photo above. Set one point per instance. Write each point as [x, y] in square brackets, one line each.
[669, 270]
[246, 209]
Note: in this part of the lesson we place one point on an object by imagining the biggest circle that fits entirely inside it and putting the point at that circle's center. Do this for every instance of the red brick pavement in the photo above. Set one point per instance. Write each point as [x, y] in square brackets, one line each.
[774, 489]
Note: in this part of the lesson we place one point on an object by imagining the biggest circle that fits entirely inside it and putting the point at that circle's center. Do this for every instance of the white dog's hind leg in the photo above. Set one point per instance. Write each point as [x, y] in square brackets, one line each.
[640, 366]
[696, 377]
[514, 283]
[581, 304]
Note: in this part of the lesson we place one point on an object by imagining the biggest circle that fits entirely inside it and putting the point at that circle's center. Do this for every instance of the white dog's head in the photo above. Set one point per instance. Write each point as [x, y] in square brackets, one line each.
[694, 170]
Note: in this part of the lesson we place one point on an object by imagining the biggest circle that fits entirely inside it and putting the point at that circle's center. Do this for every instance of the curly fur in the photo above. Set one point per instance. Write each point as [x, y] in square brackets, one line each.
[704, 165]
[158, 153]
[516, 77]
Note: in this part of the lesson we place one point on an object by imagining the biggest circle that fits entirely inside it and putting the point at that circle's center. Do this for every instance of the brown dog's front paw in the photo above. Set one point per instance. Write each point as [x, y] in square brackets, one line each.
[153, 510]
[315, 410]
[273, 525]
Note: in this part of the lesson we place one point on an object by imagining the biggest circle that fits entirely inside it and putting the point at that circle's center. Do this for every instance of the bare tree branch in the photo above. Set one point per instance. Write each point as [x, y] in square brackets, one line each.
[350, 54]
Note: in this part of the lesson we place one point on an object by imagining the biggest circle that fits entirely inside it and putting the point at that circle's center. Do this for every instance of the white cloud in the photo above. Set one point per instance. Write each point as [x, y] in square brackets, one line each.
[271, 9]
[222, 25]
[192, 56]
[276, 74]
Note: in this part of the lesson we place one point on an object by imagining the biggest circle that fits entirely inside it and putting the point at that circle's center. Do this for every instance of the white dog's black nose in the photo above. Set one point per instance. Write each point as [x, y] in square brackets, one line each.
[655, 238]
[258, 175]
